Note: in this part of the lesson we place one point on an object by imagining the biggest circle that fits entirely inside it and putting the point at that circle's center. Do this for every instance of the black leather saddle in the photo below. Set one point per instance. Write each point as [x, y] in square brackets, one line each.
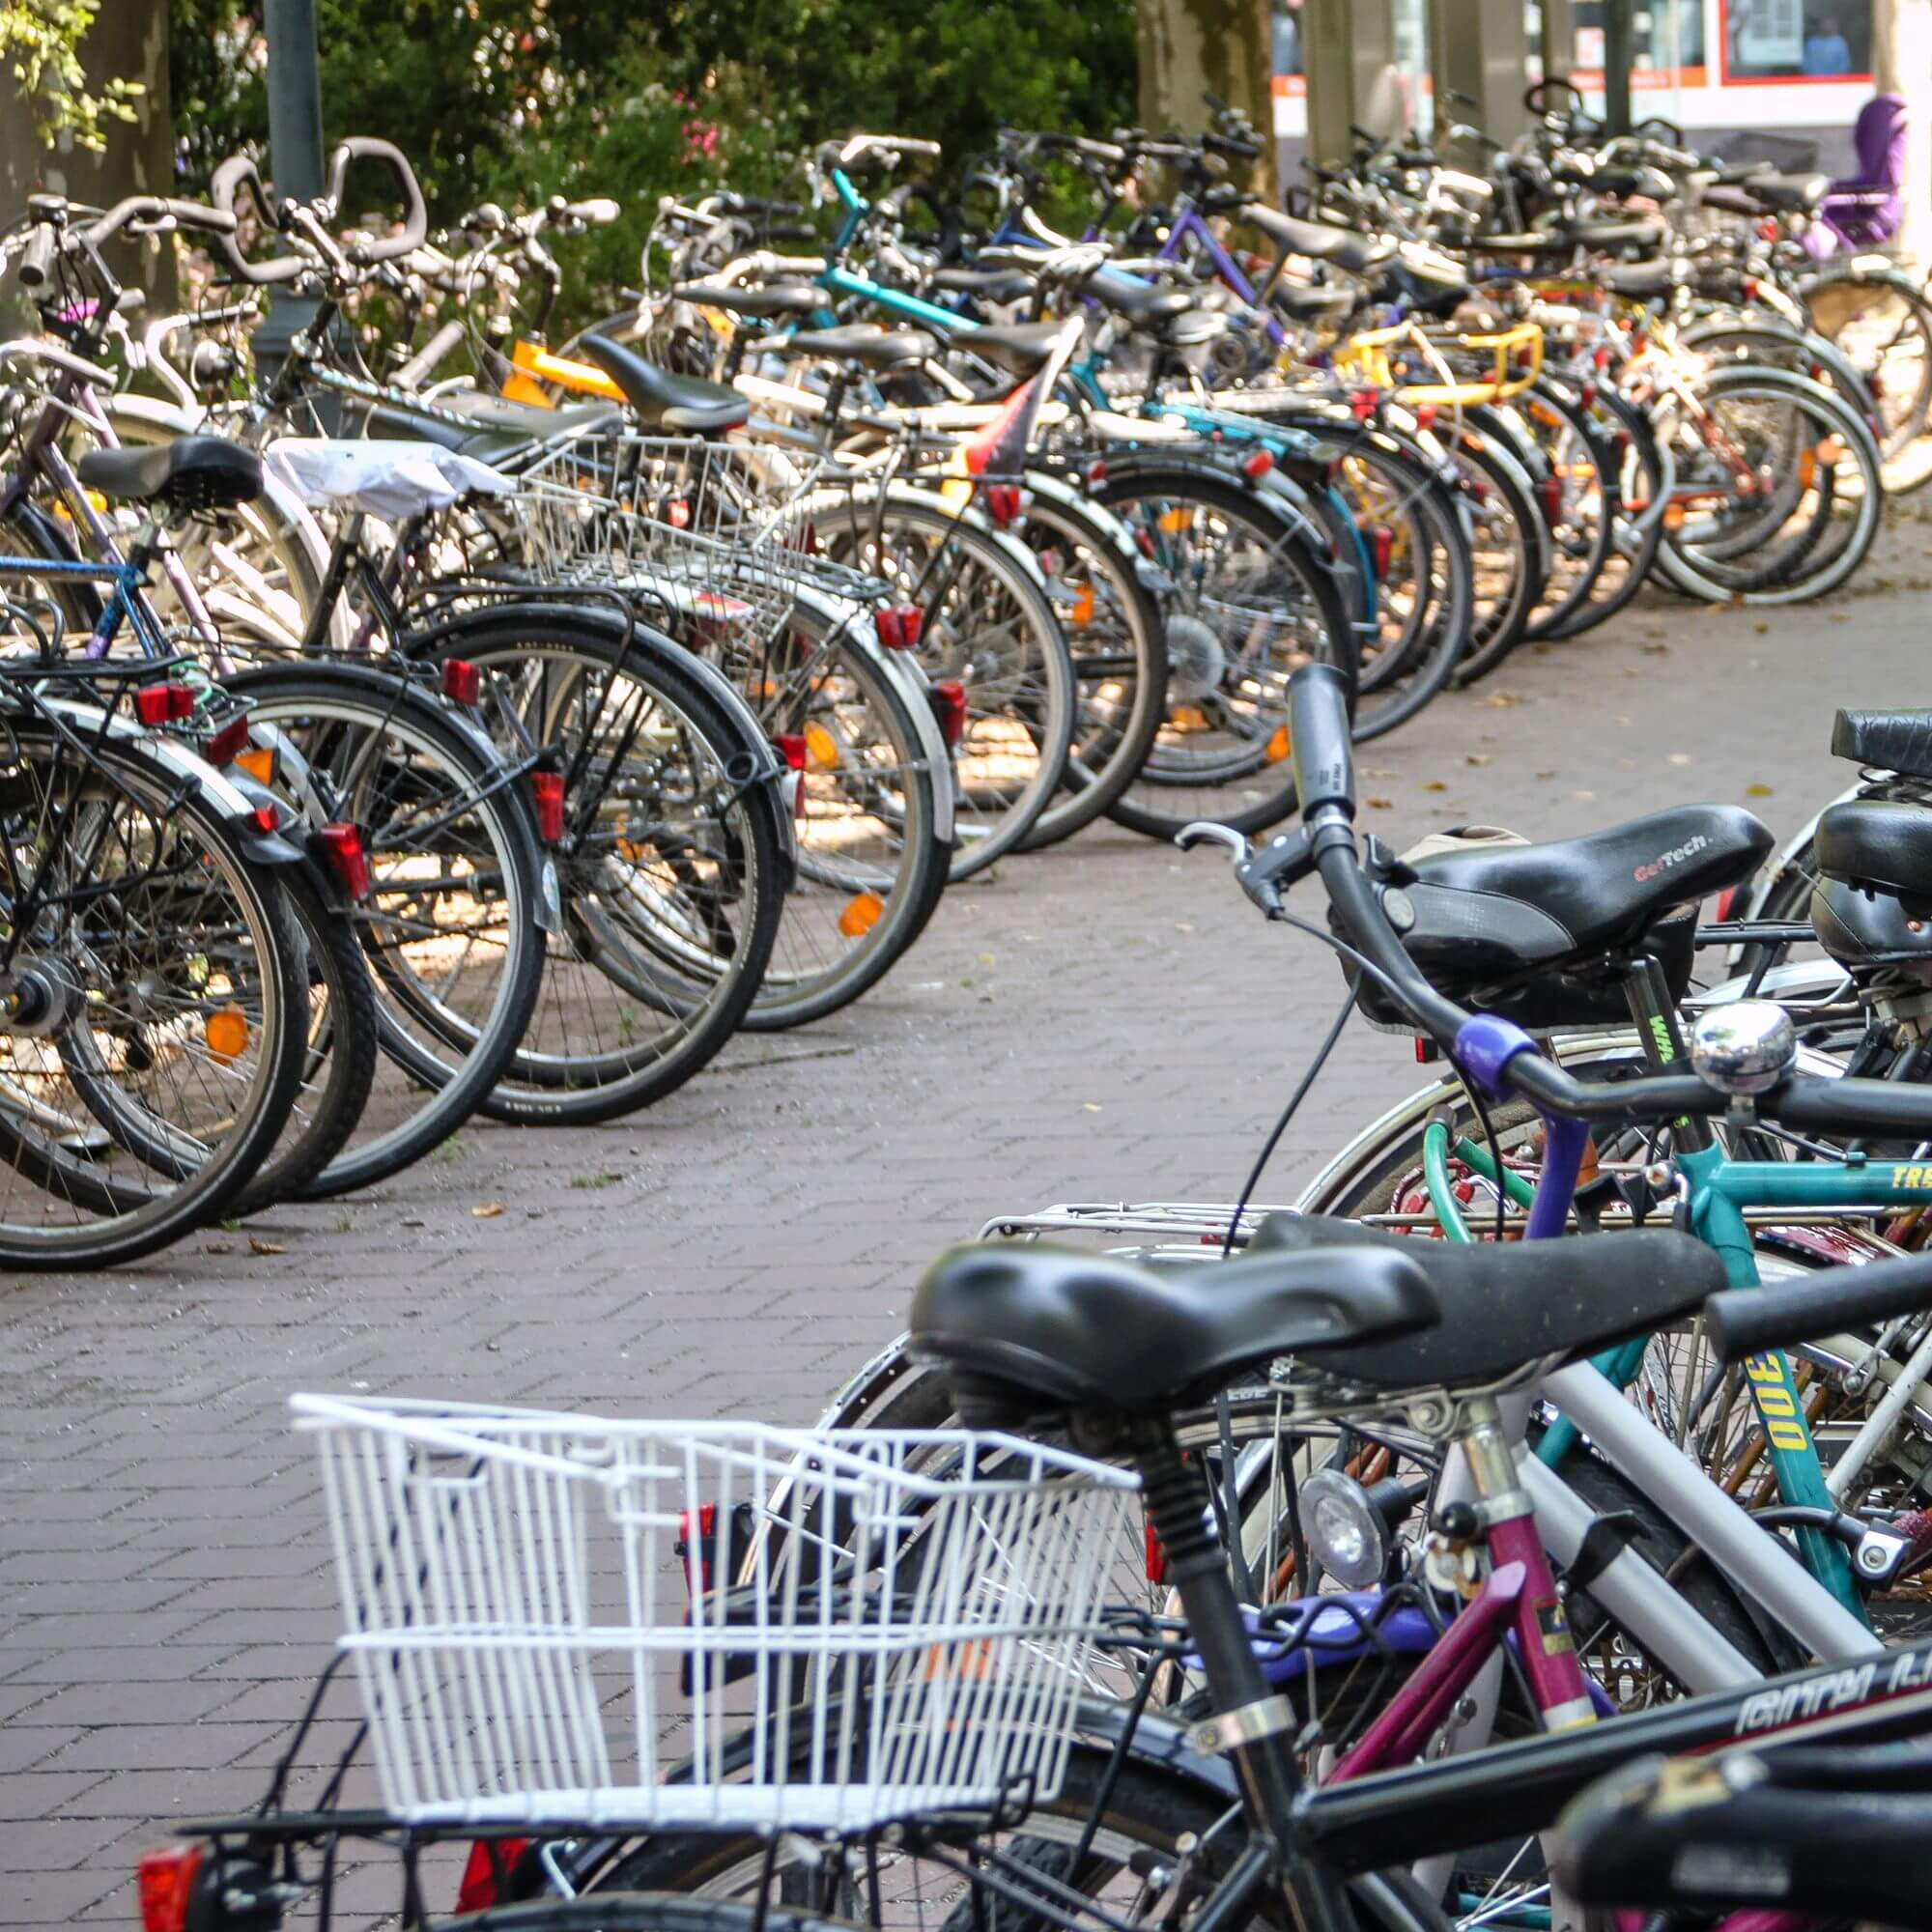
[860, 342]
[1890, 741]
[780, 298]
[1028, 1329]
[1639, 233]
[192, 473]
[993, 285]
[1824, 1834]
[1017, 346]
[661, 400]
[491, 428]
[1145, 304]
[1341, 247]
[1640, 281]
[1528, 931]
[1882, 843]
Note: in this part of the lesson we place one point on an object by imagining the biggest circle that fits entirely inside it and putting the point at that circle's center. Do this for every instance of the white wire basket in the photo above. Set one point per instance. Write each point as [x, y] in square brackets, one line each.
[560, 1619]
[708, 529]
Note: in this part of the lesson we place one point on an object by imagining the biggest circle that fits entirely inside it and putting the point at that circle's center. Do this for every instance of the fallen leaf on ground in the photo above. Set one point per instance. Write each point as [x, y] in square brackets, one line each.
[1382, 803]
[1480, 758]
[1680, 758]
[1435, 784]
[488, 1210]
[258, 1246]
[1757, 792]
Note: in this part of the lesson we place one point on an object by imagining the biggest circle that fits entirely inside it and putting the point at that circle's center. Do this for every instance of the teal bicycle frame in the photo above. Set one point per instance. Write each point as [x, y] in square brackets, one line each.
[1719, 1190]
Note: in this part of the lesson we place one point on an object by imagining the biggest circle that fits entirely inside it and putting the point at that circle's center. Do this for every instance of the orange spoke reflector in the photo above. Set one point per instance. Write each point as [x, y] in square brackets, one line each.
[1278, 747]
[1831, 450]
[1808, 467]
[1187, 718]
[1083, 604]
[821, 747]
[861, 915]
[259, 762]
[226, 1032]
[1178, 523]
[1673, 516]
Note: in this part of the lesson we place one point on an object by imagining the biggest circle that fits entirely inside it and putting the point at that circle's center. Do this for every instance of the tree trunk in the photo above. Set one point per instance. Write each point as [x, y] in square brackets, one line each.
[129, 41]
[1902, 65]
[1191, 47]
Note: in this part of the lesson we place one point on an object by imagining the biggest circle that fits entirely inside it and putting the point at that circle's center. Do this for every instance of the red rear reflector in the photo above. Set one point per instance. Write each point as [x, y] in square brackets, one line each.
[462, 681]
[266, 818]
[163, 703]
[1003, 503]
[1425, 417]
[167, 1884]
[899, 626]
[1381, 550]
[791, 746]
[481, 1886]
[1553, 499]
[1097, 472]
[1421, 1050]
[1362, 405]
[347, 859]
[1259, 464]
[1725, 899]
[547, 790]
[232, 737]
[696, 1547]
[949, 706]
[1156, 1556]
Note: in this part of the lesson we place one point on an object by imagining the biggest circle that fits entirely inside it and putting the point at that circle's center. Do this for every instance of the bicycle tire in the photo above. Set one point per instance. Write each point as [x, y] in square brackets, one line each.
[1250, 783]
[445, 1062]
[1017, 674]
[67, 1150]
[339, 1070]
[643, 924]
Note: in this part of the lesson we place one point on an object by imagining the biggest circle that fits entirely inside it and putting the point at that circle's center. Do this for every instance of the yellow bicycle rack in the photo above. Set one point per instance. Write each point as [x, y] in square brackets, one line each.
[1383, 359]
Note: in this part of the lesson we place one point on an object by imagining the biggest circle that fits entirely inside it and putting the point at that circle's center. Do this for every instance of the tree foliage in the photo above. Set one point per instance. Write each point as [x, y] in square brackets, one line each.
[509, 99]
[39, 42]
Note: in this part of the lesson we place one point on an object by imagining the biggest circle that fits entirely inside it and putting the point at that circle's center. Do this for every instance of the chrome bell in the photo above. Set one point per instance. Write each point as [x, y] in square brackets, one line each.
[1745, 1047]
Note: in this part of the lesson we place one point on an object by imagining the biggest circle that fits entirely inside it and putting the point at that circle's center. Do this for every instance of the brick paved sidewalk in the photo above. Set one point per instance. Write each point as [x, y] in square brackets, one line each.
[1104, 1021]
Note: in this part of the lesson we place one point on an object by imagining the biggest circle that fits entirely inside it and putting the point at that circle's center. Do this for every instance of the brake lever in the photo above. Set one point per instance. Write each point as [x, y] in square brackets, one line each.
[1260, 873]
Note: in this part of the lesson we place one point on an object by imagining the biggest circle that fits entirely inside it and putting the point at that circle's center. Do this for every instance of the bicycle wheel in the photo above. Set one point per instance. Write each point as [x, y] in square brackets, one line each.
[872, 822]
[449, 932]
[153, 1043]
[340, 1057]
[986, 625]
[1769, 519]
[1883, 323]
[1114, 629]
[672, 867]
[1110, 1835]
[1247, 598]
[1509, 549]
[1581, 499]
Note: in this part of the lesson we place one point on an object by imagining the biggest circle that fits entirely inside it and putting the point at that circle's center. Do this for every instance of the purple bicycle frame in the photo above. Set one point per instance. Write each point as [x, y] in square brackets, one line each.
[1519, 1597]
[1189, 222]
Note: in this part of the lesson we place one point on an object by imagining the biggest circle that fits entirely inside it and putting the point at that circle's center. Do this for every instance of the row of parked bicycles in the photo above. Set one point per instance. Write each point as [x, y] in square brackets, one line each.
[587, 705]
[1526, 1527]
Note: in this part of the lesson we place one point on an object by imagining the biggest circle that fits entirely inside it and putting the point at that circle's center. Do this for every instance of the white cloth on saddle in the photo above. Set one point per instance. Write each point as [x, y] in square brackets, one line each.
[388, 477]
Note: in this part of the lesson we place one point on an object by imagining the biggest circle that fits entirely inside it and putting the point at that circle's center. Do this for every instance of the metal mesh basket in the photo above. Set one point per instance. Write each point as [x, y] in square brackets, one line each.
[560, 1619]
[710, 529]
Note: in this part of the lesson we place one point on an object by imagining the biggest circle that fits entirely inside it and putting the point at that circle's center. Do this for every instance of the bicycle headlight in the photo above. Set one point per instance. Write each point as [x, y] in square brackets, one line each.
[1345, 1531]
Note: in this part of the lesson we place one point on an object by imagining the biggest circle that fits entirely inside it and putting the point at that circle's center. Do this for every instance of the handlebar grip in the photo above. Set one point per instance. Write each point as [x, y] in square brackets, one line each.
[37, 259]
[597, 212]
[415, 212]
[1847, 1109]
[1747, 1320]
[1325, 763]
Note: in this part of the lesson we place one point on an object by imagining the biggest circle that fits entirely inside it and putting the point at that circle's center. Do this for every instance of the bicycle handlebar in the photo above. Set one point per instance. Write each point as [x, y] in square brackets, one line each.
[1367, 914]
[415, 212]
[236, 177]
[37, 259]
[1747, 1322]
